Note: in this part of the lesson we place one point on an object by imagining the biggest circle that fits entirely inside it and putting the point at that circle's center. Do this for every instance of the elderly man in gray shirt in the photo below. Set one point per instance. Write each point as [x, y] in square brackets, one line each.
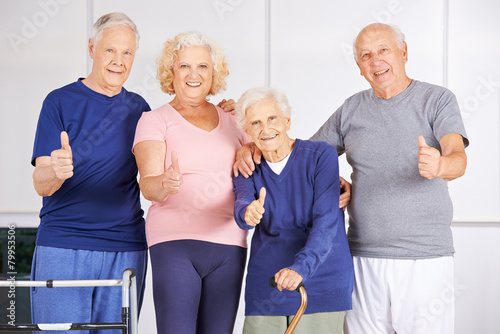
[404, 139]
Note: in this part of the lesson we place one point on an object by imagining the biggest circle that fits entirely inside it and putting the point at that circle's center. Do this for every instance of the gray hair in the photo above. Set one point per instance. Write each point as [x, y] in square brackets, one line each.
[196, 38]
[256, 95]
[398, 34]
[110, 20]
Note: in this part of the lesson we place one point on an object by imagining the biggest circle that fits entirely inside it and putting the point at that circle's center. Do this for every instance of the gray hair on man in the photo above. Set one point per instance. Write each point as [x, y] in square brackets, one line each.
[256, 95]
[398, 34]
[110, 20]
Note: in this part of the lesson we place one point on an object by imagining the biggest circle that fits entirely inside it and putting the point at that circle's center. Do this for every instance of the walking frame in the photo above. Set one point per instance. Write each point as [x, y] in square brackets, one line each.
[129, 304]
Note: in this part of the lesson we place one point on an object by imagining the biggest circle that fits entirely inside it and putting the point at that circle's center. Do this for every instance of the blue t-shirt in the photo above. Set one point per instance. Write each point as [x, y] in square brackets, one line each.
[302, 229]
[98, 208]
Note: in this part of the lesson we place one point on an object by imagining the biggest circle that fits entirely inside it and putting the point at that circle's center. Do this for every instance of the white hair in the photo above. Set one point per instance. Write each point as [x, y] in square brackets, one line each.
[110, 20]
[256, 95]
[196, 38]
[398, 34]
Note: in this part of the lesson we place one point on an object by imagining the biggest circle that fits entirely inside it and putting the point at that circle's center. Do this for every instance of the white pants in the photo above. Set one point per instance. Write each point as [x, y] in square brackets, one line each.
[402, 296]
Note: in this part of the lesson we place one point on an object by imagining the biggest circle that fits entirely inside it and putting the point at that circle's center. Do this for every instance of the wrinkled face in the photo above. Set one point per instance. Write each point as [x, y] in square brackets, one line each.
[113, 55]
[380, 60]
[193, 73]
[267, 126]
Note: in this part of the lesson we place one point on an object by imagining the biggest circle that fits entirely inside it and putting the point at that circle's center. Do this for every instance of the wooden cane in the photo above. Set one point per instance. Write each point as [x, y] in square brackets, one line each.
[303, 304]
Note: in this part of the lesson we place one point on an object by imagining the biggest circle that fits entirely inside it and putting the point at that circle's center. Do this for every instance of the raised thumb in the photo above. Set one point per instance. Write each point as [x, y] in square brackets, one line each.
[422, 142]
[65, 141]
[262, 196]
[175, 162]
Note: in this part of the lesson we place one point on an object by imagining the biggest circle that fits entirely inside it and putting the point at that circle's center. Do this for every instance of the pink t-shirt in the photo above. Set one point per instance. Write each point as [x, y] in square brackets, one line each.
[203, 209]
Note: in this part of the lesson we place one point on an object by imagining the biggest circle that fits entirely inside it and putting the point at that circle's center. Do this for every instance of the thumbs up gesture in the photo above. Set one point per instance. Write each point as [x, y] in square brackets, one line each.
[429, 159]
[61, 160]
[172, 178]
[255, 210]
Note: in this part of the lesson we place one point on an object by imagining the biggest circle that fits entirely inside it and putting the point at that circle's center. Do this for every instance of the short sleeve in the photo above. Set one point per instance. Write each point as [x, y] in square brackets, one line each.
[448, 118]
[331, 133]
[151, 126]
[49, 127]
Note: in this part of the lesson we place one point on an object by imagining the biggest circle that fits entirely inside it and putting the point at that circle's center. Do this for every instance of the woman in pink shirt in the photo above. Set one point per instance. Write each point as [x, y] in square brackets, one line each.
[185, 152]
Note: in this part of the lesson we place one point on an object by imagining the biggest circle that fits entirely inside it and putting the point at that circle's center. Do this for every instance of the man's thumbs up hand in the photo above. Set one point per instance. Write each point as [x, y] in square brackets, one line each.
[429, 159]
[61, 160]
[65, 142]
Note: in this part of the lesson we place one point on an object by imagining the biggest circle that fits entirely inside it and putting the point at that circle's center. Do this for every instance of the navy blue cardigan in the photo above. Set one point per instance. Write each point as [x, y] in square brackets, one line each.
[302, 229]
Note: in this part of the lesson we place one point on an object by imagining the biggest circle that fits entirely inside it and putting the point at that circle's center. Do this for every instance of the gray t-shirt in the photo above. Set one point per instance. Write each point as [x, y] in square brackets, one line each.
[394, 212]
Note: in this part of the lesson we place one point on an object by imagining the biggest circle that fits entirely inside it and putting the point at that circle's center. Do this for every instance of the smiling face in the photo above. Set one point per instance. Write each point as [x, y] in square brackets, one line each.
[193, 73]
[113, 56]
[267, 127]
[381, 61]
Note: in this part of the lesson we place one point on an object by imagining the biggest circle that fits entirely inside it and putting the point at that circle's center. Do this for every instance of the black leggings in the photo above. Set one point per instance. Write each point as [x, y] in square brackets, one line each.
[196, 286]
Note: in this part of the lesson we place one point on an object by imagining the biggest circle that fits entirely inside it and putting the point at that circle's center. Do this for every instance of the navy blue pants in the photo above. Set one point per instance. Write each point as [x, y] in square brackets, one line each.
[83, 304]
[196, 286]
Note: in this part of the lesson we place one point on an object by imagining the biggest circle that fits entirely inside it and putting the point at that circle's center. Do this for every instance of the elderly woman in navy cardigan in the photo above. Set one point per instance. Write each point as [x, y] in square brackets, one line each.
[292, 201]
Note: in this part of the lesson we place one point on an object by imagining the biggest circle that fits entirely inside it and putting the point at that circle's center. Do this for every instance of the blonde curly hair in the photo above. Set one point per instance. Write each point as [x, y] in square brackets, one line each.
[169, 55]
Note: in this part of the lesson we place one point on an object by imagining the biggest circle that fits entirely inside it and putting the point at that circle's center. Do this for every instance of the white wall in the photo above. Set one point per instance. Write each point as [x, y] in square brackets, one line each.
[451, 43]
